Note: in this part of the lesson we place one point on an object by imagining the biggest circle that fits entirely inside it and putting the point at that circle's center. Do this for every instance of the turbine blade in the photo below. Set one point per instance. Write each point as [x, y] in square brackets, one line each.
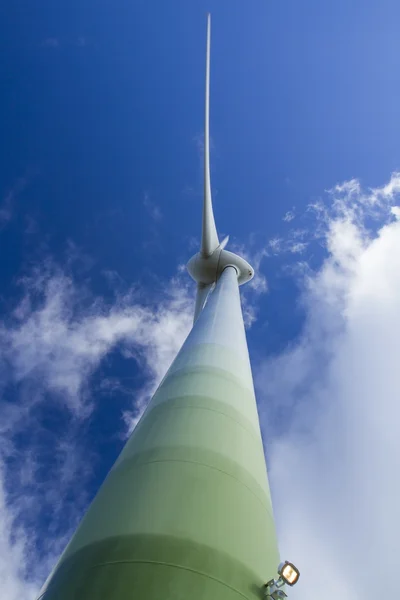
[203, 289]
[224, 242]
[209, 237]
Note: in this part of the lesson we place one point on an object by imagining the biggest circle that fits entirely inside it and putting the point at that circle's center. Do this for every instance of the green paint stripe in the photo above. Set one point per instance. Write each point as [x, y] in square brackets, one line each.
[206, 437]
[199, 402]
[182, 500]
[259, 494]
[169, 564]
[246, 425]
[214, 356]
[144, 567]
[200, 456]
[211, 383]
[226, 374]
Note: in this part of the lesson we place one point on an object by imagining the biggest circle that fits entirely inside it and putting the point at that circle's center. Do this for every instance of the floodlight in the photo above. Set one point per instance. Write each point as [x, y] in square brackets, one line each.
[289, 573]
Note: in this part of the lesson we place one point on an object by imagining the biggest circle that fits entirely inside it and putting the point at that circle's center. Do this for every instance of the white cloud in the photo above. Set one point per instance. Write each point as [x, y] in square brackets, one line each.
[12, 556]
[297, 247]
[153, 209]
[289, 216]
[275, 245]
[55, 42]
[396, 211]
[7, 205]
[351, 200]
[296, 242]
[5, 212]
[334, 396]
[60, 334]
[387, 191]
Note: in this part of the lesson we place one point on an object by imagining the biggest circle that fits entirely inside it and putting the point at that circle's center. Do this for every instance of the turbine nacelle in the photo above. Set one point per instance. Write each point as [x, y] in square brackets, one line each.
[206, 270]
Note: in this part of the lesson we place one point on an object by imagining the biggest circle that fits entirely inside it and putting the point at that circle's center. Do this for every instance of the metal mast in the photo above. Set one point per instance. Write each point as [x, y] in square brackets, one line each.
[185, 512]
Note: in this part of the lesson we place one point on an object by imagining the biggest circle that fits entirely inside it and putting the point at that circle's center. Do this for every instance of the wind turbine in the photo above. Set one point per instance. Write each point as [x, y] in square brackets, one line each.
[185, 512]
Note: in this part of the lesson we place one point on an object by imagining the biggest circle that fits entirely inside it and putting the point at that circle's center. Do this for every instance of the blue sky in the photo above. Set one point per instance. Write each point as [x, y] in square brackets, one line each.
[100, 204]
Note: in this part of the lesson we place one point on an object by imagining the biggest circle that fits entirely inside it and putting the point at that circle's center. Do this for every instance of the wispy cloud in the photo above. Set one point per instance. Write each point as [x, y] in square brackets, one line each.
[289, 216]
[12, 555]
[55, 42]
[152, 208]
[348, 199]
[333, 397]
[295, 242]
[7, 205]
[58, 333]
[153, 242]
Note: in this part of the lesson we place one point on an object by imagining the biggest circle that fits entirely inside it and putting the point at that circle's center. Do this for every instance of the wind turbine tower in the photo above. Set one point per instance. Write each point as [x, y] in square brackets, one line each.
[185, 512]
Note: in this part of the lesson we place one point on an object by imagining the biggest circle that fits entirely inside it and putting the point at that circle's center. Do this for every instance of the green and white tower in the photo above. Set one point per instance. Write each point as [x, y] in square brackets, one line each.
[186, 513]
